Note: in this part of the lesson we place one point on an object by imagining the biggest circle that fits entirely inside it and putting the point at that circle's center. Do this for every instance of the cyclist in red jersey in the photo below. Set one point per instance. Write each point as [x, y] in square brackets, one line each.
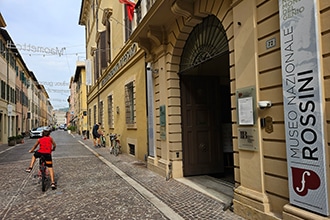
[46, 146]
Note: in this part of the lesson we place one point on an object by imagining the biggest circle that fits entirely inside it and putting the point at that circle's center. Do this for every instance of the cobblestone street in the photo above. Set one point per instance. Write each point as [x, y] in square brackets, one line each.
[92, 184]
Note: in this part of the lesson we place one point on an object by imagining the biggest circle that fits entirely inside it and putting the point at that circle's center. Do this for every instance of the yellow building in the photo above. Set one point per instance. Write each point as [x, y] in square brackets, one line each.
[23, 80]
[8, 69]
[42, 109]
[80, 100]
[116, 95]
[24, 102]
[237, 89]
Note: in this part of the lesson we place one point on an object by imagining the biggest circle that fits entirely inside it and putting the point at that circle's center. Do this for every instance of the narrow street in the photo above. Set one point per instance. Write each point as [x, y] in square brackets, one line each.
[92, 184]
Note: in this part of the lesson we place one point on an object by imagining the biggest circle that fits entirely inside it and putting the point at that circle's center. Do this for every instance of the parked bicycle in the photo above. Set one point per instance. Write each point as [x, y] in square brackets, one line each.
[115, 147]
[102, 140]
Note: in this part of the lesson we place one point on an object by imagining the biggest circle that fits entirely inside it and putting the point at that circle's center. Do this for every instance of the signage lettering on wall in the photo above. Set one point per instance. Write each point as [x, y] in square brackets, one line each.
[302, 97]
[120, 63]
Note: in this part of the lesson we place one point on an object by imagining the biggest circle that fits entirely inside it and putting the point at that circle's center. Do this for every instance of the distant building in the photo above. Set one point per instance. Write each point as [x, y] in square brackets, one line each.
[60, 117]
[78, 104]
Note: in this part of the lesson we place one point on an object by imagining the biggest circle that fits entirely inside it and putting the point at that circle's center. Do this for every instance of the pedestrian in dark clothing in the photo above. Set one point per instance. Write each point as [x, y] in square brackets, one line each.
[96, 134]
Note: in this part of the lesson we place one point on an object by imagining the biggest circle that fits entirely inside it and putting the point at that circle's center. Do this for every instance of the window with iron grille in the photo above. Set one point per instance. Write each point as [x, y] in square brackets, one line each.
[110, 112]
[130, 103]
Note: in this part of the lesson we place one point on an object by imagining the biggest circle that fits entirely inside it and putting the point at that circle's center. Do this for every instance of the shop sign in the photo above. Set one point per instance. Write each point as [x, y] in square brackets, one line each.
[302, 97]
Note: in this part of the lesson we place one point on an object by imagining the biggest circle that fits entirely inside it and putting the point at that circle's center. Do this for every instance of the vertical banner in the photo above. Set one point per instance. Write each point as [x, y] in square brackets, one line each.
[88, 67]
[302, 97]
[150, 108]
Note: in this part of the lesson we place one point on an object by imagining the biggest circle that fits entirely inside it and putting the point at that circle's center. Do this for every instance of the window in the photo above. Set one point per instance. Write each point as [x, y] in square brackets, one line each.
[138, 11]
[94, 112]
[13, 95]
[131, 148]
[103, 50]
[101, 112]
[8, 91]
[110, 112]
[18, 96]
[3, 89]
[107, 33]
[100, 56]
[128, 25]
[96, 65]
[108, 41]
[89, 119]
[130, 103]
[2, 48]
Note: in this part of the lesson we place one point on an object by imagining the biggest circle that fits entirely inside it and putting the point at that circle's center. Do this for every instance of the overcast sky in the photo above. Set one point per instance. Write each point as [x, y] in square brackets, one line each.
[51, 25]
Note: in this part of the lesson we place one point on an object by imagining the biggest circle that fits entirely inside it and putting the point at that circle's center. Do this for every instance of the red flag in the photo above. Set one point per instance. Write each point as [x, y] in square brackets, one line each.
[130, 5]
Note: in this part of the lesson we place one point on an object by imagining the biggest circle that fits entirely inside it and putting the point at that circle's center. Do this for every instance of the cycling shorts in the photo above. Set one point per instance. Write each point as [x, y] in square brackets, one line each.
[96, 135]
[48, 158]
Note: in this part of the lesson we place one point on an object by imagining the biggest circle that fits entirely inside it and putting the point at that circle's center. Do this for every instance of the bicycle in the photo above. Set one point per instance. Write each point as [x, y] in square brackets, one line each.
[115, 147]
[102, 140]
[43, 173]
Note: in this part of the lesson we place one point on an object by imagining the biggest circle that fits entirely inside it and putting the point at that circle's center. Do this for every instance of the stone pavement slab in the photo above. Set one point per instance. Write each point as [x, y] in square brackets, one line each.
[184, 200]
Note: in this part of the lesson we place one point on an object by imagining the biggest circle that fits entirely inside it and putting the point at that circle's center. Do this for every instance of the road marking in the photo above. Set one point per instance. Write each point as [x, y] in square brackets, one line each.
[6, 150]
[161, 206]
[14, 197]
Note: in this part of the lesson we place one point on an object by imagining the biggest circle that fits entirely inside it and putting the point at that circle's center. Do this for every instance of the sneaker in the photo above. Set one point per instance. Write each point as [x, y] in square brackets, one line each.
[28, 170]
[53, 186]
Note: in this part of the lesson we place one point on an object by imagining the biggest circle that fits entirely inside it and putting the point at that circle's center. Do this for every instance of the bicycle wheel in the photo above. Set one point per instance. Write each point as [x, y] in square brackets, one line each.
[103, 141]
[43, 176]
[111, 146]
[115, 149]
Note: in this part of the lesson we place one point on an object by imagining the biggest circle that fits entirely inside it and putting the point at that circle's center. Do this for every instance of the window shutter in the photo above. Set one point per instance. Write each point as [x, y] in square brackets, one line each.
[103, 50]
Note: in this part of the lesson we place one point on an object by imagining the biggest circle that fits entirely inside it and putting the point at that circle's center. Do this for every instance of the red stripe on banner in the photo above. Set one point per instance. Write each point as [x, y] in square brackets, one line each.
[127, 2]
[130, 5]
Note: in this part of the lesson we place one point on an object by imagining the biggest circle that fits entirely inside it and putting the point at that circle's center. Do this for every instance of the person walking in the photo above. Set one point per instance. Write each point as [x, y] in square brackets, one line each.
[96, 134]
[46, 146]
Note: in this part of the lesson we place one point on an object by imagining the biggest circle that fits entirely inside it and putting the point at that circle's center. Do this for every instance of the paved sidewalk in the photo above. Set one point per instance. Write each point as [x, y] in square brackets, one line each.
[185, 201]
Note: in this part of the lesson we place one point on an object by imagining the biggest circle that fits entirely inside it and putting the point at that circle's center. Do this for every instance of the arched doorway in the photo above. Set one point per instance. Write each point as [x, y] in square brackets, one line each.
[205, 101]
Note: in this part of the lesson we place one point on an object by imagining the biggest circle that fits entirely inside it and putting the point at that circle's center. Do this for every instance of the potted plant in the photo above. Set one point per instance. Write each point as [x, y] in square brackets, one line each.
[11, 141]
[19, 139]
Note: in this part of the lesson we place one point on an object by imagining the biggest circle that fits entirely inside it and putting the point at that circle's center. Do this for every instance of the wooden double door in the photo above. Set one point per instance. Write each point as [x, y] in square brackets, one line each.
[202, 113]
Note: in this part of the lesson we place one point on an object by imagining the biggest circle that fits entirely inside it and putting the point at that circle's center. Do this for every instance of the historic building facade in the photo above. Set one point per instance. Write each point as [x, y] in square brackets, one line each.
[236, 89]
[115, 76]
[79, 95]
[23, 102]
